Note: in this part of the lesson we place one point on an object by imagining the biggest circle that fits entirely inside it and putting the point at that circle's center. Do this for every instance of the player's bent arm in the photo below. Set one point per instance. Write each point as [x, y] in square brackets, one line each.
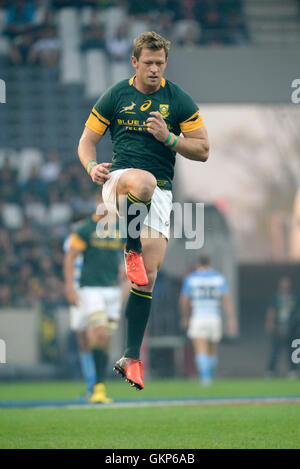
[185, 309]
[88, 156]
[194, 145]
[230, 314]
[69, 260]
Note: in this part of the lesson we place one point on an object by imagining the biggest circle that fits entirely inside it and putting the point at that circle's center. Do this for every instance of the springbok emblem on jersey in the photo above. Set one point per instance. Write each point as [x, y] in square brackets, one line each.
[128, 108]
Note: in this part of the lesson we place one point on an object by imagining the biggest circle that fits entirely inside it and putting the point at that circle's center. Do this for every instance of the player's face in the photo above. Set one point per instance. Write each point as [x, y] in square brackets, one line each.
[150, 67]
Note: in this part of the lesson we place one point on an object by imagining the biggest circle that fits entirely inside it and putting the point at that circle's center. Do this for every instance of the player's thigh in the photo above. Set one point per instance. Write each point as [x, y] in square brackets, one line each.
[200, 345]
[213, 348]
[99, 336]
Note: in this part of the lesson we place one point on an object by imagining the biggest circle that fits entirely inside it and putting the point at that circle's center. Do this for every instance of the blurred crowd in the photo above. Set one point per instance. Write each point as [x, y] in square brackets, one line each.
[31, 25]
[32, 249]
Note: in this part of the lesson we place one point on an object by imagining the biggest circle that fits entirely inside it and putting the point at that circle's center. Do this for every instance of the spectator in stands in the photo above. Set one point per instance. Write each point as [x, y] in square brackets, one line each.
[187, 30]
[65, 3]
[93, 35]
[169, 8]
[19, 52]
[54, 292]
[163, 14]
[84, 204]
[282, 324]
[119, 47]
[213, 28]
[20, 19]
[45, 49]
[237, 30]
[34, 186]
[26, 236]
[141, 8]
[7, 254]
[8, 182]
[5, 296]
[190, 35]
[20, 29]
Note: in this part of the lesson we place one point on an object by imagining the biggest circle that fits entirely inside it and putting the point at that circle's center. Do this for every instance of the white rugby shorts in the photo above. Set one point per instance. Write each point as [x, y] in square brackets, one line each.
[161, 204]
[209, 328]
[92, 300]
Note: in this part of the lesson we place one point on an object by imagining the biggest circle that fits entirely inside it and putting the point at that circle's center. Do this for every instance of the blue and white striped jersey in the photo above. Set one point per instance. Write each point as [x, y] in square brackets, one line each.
[205, 288]
[77, 265]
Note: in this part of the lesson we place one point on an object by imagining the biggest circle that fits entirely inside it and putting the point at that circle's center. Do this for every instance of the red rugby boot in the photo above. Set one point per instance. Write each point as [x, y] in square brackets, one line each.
[131, 370]
[135, 268]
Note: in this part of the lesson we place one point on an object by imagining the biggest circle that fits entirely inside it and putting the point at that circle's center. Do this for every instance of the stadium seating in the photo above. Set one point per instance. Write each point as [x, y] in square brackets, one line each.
[59, 213]
[119, 71]
[95, 76]
[273, 21]
[12, 215]
[36, 212]
[29, 157]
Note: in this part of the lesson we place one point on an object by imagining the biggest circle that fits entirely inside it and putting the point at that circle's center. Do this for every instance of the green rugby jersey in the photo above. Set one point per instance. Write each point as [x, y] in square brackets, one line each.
[101, 256]
[124, 110]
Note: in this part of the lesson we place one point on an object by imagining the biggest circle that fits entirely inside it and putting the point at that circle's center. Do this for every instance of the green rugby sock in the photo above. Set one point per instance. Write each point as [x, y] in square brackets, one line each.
[134, 243]
[100, 358]
[137, 313]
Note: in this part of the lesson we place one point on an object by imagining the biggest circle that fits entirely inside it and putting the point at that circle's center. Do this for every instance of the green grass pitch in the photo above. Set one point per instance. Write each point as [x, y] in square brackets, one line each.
[195, 427]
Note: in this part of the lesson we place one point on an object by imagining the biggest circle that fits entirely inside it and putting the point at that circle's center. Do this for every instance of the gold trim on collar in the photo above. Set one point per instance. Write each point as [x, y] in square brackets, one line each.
[162, 83]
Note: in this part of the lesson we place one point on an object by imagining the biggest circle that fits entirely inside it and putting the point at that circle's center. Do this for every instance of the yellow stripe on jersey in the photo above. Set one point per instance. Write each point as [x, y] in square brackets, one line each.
[106, 121]
[94, 124]
[192, 123]
[77, 243]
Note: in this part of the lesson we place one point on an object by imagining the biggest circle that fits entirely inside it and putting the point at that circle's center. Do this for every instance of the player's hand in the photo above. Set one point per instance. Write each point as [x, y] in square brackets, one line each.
[231, 329]
[100, 173]
[72, 296]
[157, 126]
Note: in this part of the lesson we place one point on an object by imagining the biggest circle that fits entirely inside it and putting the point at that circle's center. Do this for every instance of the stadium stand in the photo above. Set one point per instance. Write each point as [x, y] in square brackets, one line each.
[42, 186]
[273, 22]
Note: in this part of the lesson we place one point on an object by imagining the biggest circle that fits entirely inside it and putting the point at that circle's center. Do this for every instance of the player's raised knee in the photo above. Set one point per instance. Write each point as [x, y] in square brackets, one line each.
[145, 185]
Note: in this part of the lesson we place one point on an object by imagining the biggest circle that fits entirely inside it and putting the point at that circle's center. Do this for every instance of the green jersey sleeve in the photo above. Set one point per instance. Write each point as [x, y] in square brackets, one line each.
[188, 113]
[83, 231]
[102, 113]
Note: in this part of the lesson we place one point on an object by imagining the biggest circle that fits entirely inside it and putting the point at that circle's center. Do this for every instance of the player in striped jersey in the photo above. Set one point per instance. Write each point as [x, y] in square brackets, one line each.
[204, 296]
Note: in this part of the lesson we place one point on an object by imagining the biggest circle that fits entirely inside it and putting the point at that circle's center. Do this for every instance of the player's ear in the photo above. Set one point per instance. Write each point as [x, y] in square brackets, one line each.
[134, 61]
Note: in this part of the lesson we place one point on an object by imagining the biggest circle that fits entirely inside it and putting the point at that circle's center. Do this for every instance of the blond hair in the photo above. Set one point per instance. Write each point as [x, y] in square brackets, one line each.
[150, 40]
